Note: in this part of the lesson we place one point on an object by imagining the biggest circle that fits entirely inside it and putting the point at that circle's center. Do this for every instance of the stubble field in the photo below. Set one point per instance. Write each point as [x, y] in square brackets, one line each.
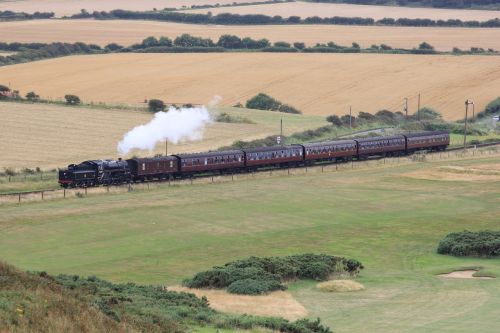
[306, 9]
[317, 84]
[164, 235]
[70, 7]
[130, 32]
[49, 136]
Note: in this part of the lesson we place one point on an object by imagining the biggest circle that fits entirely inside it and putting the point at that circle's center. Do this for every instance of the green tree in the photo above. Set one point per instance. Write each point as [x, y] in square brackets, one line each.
[165, 41]
[230, 42]
[299, 46]
[72, 99]
[425, 46]
[428, 114]
[113, 47]
[150, 42]
[156, 105]
[31, 96]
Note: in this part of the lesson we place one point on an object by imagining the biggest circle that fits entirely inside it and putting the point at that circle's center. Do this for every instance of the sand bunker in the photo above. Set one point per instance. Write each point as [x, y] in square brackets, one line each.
[465, 274]
[476, 172]
[278, 303]
[340, 286]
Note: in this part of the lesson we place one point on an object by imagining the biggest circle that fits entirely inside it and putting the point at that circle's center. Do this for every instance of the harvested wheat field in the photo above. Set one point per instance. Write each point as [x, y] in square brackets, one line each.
[130, 32]
[69, 7]
[276, 304]
[305, 9]
[50, 136]
[317, 84]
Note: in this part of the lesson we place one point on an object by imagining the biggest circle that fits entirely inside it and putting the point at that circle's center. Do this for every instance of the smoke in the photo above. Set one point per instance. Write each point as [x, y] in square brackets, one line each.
[175, 125]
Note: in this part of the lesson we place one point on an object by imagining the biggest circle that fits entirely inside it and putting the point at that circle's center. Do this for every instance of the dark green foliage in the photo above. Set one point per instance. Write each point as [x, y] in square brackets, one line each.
[230, 42]
[9, 15]
[256, 275]
[72, 99]
[186, 40]
[4, 88]
[155, 105]
[493, 108]
[155, 309]
[423, 3]
[472, 244]
[282, 44]
[265, 102]
[366, 117]
[256, 19]
[299, 45]
[335, 120]
[288, 109]
[31, 96]
[37, 51]
[113, 47]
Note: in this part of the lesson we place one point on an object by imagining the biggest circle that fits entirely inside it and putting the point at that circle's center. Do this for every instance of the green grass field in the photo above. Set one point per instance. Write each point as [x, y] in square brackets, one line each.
[380, 216]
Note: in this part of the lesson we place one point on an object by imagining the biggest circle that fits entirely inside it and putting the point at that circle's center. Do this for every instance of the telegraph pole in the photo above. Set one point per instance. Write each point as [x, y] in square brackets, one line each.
[467, 102]
[418, 109]
[166, 147]
[406, 107]
[350, 118]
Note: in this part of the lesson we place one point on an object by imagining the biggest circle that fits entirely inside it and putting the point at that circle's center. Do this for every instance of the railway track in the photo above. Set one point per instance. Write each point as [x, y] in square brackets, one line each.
[42, 194]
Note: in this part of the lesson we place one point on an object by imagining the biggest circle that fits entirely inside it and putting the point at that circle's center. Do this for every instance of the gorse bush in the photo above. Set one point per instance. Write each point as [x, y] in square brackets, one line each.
[474, 244]
[491, 109]
[265, 102]
[256, 275]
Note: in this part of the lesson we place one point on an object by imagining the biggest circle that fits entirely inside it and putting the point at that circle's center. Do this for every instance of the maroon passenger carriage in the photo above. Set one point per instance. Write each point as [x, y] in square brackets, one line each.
[437, 140]
[381, 146]
[273, 156]
[161, 167]
[220, 161]
[342, 150]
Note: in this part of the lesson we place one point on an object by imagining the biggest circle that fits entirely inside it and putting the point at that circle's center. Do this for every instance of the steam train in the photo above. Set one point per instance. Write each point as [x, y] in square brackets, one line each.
[111, 172]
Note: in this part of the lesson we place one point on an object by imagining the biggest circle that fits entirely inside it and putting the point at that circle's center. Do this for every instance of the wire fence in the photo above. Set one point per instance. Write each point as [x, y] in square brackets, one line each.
[52, 194]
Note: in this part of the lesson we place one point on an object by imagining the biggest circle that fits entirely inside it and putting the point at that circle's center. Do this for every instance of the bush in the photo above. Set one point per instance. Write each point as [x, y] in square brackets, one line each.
[471, 244]
[263, 102]
[155, 105]
[256, 275]
[253, 287]
[72, 99]
[335, 120]
[266, 102]
[491, 109]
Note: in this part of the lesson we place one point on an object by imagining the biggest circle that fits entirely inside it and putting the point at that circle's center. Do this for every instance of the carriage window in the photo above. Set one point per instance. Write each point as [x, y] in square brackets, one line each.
[143, 166]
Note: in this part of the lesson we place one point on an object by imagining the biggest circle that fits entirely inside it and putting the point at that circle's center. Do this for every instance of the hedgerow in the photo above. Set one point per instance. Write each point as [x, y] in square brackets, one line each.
[256, 275]
[474, 244]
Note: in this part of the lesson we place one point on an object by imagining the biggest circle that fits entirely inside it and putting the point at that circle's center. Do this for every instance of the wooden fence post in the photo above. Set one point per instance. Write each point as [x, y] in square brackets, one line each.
[85, 191]
[64, 193]
[19, 197]
[42, 195]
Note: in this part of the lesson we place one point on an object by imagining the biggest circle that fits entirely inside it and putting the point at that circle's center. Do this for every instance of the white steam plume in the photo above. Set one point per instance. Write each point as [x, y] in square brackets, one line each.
[175, 125]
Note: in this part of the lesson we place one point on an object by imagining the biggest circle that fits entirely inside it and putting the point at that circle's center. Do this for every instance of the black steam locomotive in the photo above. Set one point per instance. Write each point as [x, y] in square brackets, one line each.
[111, 172]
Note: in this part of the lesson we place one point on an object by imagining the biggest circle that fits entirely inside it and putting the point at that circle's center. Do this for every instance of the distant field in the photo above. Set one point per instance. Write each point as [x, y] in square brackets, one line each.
[317, 84]
[305, 9]
[130, 32]
[69, 7]
[391, 218]
[49, 136]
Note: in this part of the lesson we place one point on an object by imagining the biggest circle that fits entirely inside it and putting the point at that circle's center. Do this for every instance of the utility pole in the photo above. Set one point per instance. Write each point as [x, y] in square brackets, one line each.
[350, 118]
[418, 108]
[406, 107]
[473, 110]
[166, 147]
[467, 102]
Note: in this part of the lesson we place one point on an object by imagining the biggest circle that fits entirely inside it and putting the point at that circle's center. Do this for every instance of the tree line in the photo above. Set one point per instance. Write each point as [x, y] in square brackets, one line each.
[26, 52]
[9, 15]
[423, 3]
[260, 19]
